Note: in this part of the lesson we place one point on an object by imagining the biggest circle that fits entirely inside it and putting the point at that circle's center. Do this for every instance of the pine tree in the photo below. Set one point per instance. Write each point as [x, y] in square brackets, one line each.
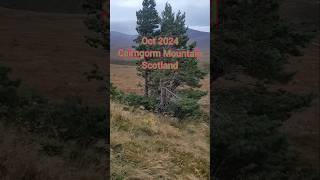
[97, 22]
[251, 35]
[147, 25]
[188, 73]
[247, 139]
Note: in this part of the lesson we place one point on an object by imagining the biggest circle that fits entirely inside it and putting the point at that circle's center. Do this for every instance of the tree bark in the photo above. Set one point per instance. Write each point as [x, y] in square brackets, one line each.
[146, 84]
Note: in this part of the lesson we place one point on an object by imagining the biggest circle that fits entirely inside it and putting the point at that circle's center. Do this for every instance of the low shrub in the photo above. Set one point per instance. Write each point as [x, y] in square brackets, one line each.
[131, 99]
[70, 120]
[184, 107]
[148, 103]
[116, 94]
[191, 93]
[8, 88]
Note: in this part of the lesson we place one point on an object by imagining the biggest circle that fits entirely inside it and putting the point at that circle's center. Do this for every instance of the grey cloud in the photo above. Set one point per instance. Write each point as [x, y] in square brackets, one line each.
[123, 13]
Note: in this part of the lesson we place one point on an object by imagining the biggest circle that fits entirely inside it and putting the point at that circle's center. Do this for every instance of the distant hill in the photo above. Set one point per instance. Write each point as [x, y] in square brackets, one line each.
[202, 39]
[56, 6]
[121, 40]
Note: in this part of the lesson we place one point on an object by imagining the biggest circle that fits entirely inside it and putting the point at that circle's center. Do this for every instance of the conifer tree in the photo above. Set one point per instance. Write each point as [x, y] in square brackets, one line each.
[147, 25]
[248, 142]
[188, 73]
[252, 36]
[97, 22]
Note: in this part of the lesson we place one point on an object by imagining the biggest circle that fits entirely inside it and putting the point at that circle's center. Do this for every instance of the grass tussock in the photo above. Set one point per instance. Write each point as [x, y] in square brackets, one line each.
[146, 146]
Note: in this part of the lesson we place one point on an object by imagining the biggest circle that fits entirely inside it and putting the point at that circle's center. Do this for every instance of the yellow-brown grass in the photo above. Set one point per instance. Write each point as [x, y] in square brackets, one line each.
[146, 146]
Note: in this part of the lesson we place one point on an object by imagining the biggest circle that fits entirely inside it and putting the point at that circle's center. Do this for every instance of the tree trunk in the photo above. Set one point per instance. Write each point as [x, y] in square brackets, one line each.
[146, 84]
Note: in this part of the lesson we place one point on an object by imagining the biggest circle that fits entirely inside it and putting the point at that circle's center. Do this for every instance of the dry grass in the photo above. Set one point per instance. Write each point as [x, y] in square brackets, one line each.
[145, 146]
[126, 79]
[48, 52]
[21, 158]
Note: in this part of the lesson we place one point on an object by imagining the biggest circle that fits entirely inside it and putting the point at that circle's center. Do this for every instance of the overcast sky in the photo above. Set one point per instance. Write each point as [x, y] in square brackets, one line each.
[123, 13]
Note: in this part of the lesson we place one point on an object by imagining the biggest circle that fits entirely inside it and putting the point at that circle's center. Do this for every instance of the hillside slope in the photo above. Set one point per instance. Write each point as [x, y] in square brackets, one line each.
[22, 157]
[121, 40]
[144, 146]
[39, 45]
